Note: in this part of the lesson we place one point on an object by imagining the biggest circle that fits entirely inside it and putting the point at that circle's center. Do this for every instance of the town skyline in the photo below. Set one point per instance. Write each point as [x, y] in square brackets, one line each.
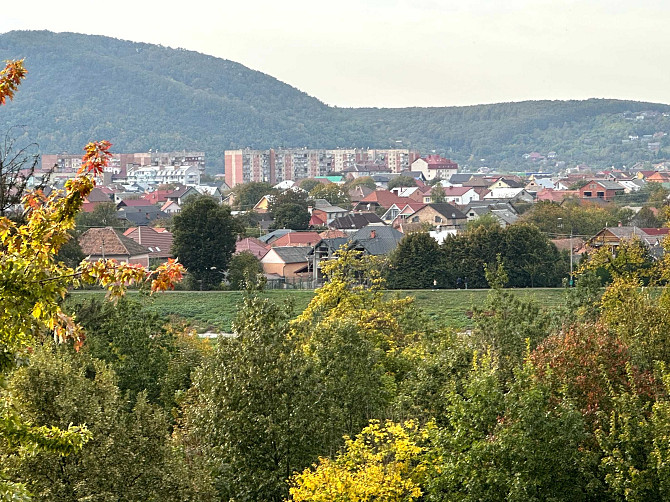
[393, 54]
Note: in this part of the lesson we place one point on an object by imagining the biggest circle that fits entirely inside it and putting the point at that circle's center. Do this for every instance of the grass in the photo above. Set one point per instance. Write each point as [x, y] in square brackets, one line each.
[215, 310]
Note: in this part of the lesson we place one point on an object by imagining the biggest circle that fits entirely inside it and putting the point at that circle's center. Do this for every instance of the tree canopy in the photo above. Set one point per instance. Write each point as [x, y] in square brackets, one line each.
[204, 239]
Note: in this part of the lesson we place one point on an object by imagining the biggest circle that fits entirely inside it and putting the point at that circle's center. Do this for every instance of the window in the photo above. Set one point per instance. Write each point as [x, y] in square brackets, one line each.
[601, 195]
[438, 219]
[587, 194]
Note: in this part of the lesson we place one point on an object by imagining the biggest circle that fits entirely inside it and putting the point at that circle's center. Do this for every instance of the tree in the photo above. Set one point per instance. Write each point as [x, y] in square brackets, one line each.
[308, 184]
[645, 218]
[204, 239]
[244, 267]
[383, 463]
[416, 263]
[485, 220]
[17, 166]
[437, 194]
[103, 215]
[365, 181]
[130, 455]
[248, 194]
[252, 412]
[401, 181]
[337, 195]
[290, 215]
[33, 284]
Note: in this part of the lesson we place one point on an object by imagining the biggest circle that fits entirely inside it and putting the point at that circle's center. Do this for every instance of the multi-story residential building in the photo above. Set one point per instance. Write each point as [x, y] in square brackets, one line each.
[243, 166]
[164, 175]
[67, 164]
[277, 165]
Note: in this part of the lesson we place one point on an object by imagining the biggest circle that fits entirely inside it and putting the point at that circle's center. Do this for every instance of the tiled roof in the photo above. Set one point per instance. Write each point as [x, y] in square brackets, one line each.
[297, 239]
[252, 245]
[97, 195]
[135, 203]
[332, 234]
[354, 220]
[158, 243]
[109, 241]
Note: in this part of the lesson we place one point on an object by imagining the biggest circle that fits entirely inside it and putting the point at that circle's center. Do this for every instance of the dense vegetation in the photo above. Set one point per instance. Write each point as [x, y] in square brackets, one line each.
[144, 96]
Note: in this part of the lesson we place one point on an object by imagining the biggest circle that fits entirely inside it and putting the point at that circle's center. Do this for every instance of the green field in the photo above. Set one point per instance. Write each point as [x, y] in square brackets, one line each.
[215, 310]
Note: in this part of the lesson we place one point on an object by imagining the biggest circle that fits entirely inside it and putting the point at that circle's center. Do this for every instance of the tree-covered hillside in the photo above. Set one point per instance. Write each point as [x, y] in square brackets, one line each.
[142, 96]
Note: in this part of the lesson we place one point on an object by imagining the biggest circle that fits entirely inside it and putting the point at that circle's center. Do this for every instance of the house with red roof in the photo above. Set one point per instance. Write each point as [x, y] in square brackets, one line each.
[380, 198]
[157, 196]
[251, 245]
[435, 166]
[461, 196]
[297, 239]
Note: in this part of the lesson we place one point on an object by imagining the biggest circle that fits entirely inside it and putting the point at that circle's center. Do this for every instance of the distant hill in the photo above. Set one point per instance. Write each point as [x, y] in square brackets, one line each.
[141, 96]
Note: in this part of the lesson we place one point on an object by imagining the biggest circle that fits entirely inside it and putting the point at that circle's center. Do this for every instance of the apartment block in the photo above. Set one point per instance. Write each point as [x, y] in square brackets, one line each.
[276, 165]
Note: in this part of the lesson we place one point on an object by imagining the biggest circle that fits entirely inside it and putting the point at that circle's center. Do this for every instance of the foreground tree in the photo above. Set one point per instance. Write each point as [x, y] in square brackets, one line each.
[250, 413]
[33, 284]
[204, 239]
[383, 463]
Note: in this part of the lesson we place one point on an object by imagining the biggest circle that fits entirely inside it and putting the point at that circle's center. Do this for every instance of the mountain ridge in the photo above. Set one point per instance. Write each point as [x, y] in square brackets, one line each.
[139, 96]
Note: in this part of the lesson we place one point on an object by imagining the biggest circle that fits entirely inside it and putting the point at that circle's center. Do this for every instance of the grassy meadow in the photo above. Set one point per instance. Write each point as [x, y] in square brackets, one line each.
[215, 310]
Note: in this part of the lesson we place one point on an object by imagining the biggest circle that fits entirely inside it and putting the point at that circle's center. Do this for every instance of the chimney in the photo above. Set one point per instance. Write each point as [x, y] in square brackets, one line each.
[373, 234]
[620, 224]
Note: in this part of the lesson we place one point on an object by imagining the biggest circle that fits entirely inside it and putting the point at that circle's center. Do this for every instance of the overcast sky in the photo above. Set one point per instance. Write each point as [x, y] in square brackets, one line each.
[393, 53]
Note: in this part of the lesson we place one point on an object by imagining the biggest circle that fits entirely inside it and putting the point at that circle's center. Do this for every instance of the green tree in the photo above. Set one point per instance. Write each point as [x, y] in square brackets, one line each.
[251, 412]
[437, 194]
[147, 354]
[204, 239]
[365, 181]
[337, 195]
[515, 444]
[103, 215]
[308, 184]
[416, 263]
[401, 181]
[485, 220]
[243, 267]
[130, 455]
[645, 218]
[290, 215]
[248, 194]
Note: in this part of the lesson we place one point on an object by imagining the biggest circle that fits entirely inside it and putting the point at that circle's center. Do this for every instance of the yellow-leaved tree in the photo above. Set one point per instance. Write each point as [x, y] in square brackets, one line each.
[384, 463]
[33, 284]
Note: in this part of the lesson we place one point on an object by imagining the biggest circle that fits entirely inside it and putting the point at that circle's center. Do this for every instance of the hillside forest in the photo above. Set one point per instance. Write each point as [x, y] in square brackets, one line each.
[142, 96]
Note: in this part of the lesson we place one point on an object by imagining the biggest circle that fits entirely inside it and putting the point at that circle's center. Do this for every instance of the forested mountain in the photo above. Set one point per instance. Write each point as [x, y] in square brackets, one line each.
[141, 96]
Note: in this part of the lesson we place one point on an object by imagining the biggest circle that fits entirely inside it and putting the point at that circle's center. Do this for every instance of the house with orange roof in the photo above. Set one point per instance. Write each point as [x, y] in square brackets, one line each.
[659, 177]
[297, 239]
[380, 198]
[157, 196]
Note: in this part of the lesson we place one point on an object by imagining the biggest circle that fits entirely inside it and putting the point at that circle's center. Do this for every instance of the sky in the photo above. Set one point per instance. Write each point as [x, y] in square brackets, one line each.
[400, 53]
